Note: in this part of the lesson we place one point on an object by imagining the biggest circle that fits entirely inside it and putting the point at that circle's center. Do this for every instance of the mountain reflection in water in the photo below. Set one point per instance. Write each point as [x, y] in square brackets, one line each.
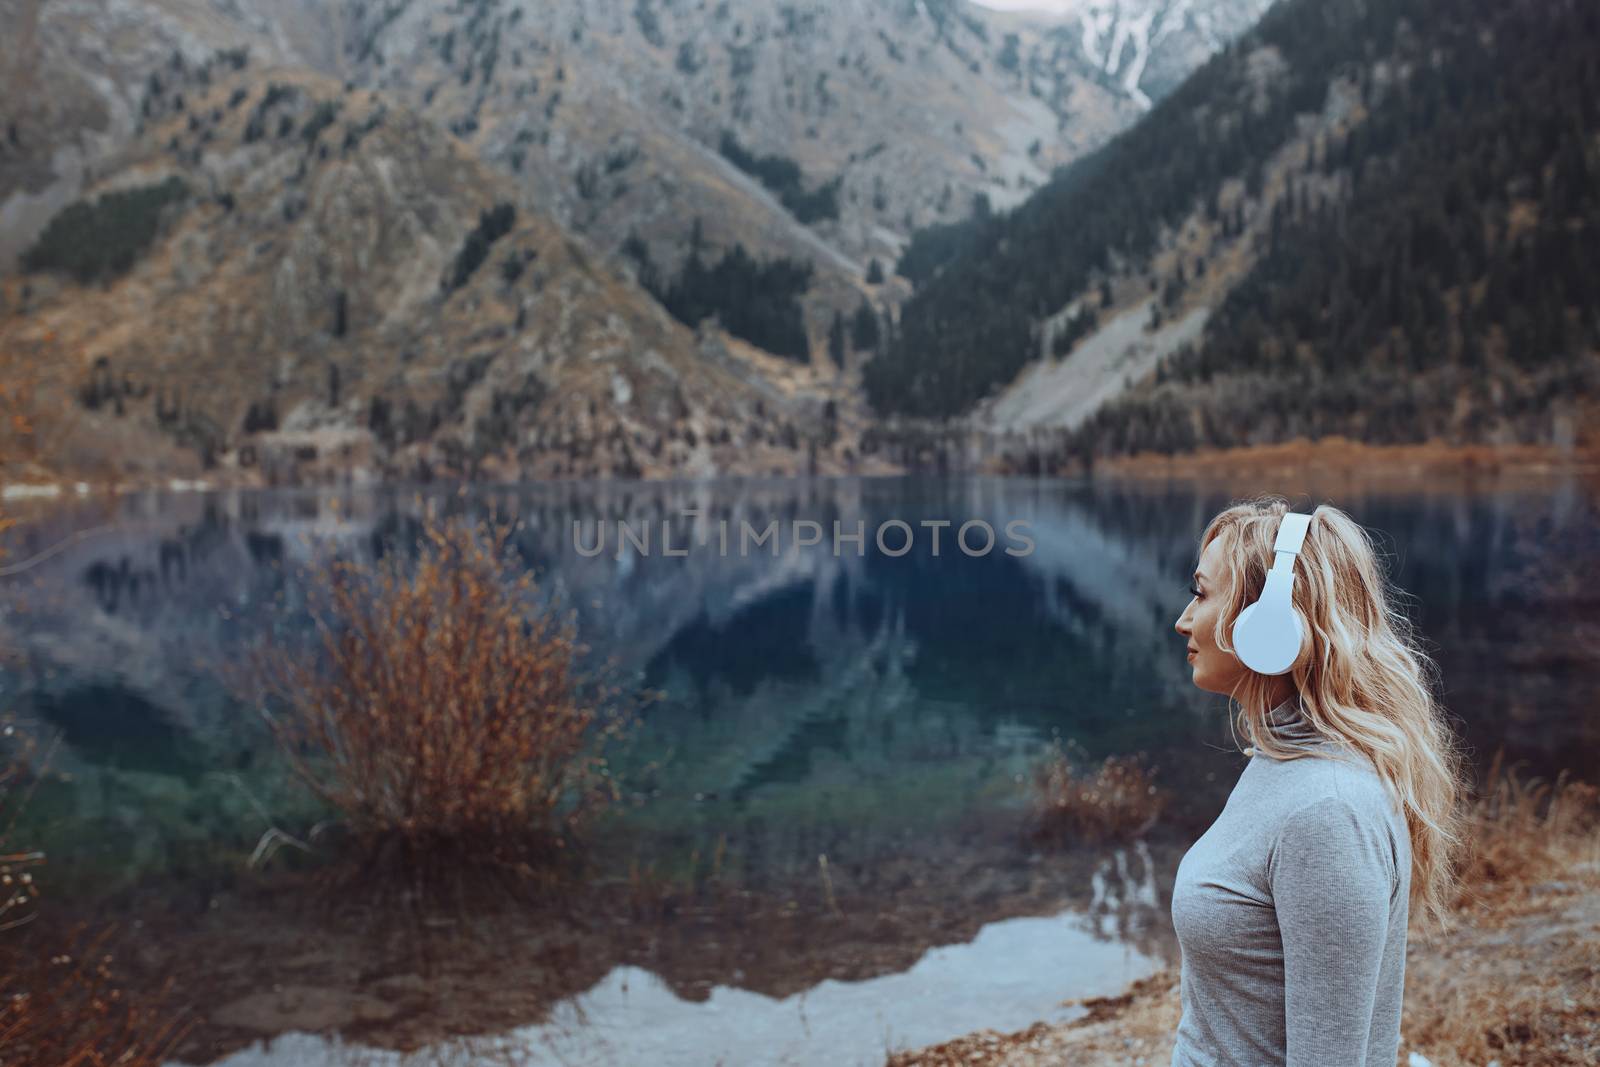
[1014, 973]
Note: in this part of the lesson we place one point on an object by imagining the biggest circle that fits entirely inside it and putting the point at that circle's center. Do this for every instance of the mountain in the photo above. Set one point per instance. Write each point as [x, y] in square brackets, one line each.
[290, 280]
[1370, 220]
[753, 170]
[901, 111]
[72, 82]
[823, 131]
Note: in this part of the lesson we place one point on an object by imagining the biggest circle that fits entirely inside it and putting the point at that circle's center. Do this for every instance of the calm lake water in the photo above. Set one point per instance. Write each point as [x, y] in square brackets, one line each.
[879, 708]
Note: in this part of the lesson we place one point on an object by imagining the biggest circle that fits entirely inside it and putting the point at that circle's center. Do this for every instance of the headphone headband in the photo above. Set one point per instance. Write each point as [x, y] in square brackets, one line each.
[1292, 532]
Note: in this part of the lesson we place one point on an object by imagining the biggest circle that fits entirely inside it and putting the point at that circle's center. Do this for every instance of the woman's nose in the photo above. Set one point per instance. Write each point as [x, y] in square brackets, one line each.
[1183, 625]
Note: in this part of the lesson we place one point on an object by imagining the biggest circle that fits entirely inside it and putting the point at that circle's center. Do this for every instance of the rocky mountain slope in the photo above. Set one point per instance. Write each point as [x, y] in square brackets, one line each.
[899, 113]
[334, 287]
[1368, 221]
[957, 88]
[73, 78]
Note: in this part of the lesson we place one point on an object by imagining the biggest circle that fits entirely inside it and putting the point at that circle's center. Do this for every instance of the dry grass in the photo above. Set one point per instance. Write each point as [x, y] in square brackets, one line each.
[1523, 986]
[1525, 831]
[440, 710]
[1116, 802]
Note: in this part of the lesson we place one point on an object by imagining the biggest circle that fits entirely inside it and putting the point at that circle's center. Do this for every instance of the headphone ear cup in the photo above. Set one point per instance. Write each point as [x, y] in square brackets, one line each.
[1267, 643]
[1243, 637]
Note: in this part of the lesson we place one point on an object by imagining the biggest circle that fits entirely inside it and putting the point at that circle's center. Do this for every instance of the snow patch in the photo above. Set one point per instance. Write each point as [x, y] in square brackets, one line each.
[621, 391]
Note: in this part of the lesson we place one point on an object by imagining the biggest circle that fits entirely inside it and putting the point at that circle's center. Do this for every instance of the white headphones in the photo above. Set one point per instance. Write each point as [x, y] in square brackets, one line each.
[1266, 635]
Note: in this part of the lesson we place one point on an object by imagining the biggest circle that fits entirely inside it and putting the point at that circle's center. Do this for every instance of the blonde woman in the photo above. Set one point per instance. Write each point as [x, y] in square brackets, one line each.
[1292, 909]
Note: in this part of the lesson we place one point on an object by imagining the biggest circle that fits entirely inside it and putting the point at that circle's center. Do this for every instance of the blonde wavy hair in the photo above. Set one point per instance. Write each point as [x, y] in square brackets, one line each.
[1362, 676]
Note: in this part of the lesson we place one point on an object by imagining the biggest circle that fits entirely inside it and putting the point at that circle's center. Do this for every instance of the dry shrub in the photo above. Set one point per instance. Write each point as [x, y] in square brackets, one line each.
[441, 711]
[1115, 802]
[62, 1007]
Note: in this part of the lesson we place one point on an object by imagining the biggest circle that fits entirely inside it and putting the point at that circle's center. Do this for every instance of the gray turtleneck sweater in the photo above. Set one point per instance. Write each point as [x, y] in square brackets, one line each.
[1291, 912]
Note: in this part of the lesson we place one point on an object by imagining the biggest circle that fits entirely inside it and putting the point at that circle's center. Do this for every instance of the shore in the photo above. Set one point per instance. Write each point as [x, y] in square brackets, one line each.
[1326, 464]
[1516, 981]
[1321, 465]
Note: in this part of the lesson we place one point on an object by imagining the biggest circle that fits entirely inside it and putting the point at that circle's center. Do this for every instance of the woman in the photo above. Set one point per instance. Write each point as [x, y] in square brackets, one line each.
[1292, 909]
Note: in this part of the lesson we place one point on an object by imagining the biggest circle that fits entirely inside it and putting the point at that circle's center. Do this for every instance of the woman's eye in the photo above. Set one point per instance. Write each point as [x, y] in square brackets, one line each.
[1194, 590]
